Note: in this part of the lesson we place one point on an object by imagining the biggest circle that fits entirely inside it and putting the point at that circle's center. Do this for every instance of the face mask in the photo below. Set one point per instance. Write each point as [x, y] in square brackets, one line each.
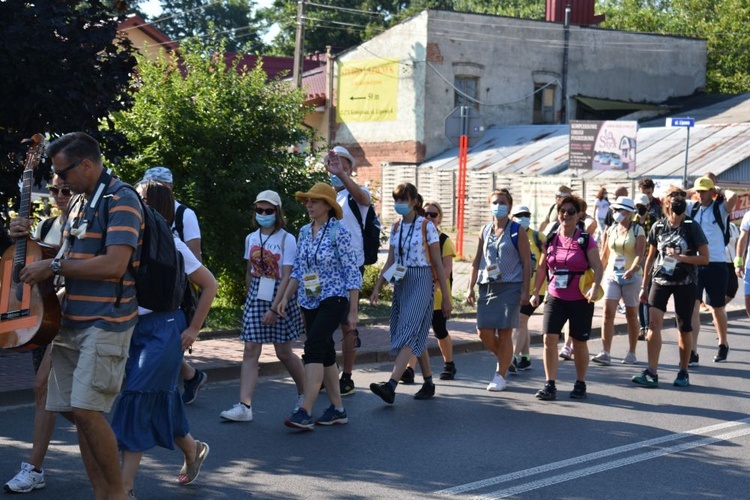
[265, 220]
[402, 208]
[336, 181]
[525, 222]
[642, 210]
[619, 217]
[678, 207]
[499, 211]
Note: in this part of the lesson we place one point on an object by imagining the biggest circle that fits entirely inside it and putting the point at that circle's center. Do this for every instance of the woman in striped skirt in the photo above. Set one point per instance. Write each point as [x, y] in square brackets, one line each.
[413, 257]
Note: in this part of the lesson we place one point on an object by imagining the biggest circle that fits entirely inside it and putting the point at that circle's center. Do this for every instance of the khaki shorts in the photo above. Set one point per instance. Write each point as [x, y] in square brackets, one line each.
[88, 366]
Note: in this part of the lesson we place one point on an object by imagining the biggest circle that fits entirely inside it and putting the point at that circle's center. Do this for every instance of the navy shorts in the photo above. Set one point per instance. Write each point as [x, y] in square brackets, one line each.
[713, 280]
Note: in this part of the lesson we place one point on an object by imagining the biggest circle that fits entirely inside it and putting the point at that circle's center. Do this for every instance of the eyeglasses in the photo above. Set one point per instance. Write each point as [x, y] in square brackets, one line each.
[62, 174]
[569, 211]
[677, 194]
[265, 211]
[432, 215]
[54, 191]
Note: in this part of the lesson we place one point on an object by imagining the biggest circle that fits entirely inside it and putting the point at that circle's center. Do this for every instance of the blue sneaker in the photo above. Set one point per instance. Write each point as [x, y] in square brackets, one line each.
[192, 387]
[300, 419]
[332, 417]
[646, 379]
[683, 379]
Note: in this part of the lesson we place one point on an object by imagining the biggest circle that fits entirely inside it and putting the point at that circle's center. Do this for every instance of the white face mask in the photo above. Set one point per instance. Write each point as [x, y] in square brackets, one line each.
[619, 217]
[525, 222]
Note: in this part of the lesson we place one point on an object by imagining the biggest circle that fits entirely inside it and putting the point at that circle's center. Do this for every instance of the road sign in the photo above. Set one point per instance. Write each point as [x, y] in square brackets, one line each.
[681, 122]
[456, 121]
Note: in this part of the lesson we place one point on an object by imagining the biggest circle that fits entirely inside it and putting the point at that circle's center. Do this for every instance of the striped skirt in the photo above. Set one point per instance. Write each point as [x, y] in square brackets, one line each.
[411, 310]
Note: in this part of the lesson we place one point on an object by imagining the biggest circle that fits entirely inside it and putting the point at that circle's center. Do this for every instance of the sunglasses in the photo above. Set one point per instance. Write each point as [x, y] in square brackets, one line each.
[569, 211]
[432, 215]
[676, 194]
[54, 191]
[265, 211]
[62, 174]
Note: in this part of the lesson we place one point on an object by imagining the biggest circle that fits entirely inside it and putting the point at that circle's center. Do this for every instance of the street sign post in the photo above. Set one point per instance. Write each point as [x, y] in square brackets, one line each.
[687, 123]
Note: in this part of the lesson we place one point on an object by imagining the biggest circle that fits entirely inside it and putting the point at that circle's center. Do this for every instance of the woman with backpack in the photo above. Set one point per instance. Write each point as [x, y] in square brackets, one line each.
[624, 246]
[413, 263]
[568, 253]
[150, 411]
[326, 279]
[269, 252]
[502, 267]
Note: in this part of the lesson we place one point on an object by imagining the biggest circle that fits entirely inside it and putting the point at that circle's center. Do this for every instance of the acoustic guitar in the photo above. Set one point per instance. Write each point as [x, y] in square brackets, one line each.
[29, 315]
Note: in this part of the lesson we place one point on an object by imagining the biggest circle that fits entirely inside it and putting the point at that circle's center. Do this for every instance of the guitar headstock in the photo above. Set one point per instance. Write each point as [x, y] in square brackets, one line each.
[36, 143]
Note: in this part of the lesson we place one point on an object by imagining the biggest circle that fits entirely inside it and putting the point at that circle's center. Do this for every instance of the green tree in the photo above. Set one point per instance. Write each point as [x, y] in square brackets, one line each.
[230, 19]
[54, 55]
[226, 133]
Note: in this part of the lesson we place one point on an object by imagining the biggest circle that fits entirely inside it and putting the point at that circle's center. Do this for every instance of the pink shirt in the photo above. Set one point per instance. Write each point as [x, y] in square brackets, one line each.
[566, 253]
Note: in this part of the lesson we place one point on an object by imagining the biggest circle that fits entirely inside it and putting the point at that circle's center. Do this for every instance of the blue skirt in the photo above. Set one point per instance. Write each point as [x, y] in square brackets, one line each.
[150, 411]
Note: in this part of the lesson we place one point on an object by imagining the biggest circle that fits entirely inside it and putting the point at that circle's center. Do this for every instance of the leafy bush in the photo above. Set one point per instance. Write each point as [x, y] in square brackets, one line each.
[368, 284]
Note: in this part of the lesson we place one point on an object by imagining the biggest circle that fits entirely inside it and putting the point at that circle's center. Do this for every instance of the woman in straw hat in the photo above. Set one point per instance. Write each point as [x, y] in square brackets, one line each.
[326, 278]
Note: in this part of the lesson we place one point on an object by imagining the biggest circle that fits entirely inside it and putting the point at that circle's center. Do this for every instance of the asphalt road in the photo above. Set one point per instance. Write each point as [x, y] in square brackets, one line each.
[622, 442]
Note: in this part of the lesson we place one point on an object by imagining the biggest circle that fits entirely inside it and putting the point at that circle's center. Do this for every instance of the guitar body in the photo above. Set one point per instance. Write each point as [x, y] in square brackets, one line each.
[29, 316]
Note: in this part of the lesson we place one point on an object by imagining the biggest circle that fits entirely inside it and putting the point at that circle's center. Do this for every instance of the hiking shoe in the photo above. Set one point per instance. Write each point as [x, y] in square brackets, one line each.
[722, 354]
[300, 419]
[646, 379]
[642, 334]
[449, 371]
[298, 403]
[426, 392]
[385, 391]
[630, 359]
[695, 360]
[523, 364]
[579, 390]
[192, 387]
[238, 413]
[547, 393]
[346, 386]
[26, 480]
[603, 358]
[498, 384]
[332, 417]
[566, 353]
[683, 379]
[408, 376]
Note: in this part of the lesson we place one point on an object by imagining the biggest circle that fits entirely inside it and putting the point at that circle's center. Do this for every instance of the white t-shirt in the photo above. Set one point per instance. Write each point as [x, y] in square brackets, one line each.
[745, 226]
[54, 235]
[705, 218]
[408, 244]
[351, 224]
[190, 228]
[266, 252]
[191, 265]
[731, 248]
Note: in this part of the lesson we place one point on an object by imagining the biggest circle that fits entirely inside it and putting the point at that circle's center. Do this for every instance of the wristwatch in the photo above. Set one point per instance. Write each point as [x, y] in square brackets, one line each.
[56, 267]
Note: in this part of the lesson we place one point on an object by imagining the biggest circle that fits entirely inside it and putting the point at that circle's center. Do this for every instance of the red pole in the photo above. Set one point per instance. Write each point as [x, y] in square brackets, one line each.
[463, 148]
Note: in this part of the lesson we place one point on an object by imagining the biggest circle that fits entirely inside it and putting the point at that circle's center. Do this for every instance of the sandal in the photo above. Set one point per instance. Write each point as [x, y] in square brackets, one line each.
[190, 472]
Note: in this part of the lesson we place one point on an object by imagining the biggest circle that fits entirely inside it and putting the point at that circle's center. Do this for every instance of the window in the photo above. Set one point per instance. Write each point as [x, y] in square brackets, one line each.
[468, 85]
[544, 104]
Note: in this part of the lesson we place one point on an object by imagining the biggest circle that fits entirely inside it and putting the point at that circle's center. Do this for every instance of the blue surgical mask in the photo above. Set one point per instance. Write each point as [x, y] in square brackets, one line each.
[402, 208]
[525, 222]
[499, 211]
[265, 220]
[336, 181]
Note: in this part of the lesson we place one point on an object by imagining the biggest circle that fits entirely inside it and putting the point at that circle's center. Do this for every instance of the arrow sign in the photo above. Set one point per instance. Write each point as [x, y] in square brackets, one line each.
[681, 122]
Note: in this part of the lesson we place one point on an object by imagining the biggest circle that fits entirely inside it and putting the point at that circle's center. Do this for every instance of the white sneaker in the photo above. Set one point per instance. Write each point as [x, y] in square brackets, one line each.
[27, 480]
[298, 404]
[498, 384]
[630, 359]
[566, 353]
[238, 413]
[602, 358]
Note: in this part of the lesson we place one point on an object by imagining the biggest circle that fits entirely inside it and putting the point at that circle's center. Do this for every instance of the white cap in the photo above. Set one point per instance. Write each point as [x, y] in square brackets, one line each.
[642, 199]
[520, 209]
[343, 153]
[625, 203]
[269, 196]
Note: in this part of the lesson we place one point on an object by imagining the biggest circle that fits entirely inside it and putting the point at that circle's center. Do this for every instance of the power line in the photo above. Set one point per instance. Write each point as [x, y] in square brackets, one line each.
[346, 9]
[166, 18]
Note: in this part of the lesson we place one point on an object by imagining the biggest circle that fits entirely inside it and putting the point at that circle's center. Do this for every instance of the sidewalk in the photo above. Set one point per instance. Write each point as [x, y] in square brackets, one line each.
[220, 353]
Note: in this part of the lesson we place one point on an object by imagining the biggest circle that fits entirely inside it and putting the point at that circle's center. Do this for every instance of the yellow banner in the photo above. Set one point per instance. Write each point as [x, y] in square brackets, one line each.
[367, 91]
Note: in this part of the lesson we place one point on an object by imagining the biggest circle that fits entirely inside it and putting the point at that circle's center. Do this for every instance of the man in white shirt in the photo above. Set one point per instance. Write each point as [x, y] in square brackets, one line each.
[711, 278]
[340, 165]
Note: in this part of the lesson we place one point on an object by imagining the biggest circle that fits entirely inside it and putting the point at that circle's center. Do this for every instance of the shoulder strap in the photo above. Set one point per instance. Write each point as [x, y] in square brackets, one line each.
[424, 240]
[694, 209]
[719, 219]
[354, 207]
[46, 226]
[283, 241]
[178, 222]
[514, 230]
[332, 235]
[442, 238]
[537, 240]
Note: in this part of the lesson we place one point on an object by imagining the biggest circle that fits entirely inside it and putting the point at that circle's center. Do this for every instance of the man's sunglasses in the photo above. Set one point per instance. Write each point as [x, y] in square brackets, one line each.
[432, 215]
[569, 211]
[62, 174]
[265, 211]
[54, 191]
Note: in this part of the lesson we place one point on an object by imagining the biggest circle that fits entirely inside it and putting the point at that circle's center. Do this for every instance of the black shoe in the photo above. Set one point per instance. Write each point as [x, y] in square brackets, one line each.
[523, 364]
[408, 376]
[449, 371]
[695, 360]
[385, 391]
[346, 386]
[547, 393]
[426, 392]
[642, 334]
[722, 354]
[512, 368]
[192, 387]
[579, 390]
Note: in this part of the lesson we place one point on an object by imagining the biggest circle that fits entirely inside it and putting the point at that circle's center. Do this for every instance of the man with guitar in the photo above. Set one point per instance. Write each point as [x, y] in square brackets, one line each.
[99, 310]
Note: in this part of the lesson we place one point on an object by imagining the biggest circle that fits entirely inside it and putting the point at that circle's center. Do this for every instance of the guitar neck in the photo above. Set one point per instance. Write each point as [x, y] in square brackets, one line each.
[19, 258]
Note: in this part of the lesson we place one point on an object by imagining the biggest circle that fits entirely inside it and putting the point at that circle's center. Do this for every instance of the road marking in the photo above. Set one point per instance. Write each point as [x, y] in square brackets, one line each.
[599, 455]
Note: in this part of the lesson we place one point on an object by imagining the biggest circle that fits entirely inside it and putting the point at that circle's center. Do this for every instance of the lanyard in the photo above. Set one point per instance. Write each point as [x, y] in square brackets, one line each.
[497, 245]
[262, 244]
[78, 226]
[317, 249]
[408, 239]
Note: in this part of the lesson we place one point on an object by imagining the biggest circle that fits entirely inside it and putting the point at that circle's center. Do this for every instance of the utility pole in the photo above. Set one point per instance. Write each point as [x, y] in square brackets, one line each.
[564, 117]
[298, 43]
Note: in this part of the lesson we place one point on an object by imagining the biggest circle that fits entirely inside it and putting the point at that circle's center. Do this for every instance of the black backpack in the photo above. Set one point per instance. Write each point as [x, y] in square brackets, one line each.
[723, 225]
[160, 279]
[371, 230]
